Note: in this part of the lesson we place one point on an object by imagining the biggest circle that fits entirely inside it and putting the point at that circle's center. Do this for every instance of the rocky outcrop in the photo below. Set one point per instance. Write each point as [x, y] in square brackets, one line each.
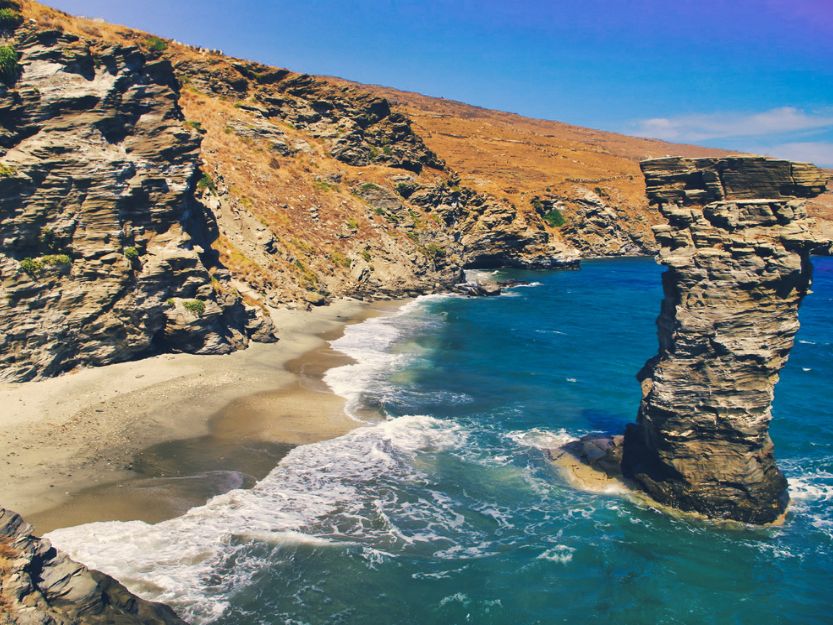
[104, 252]
[737, 246]
[490, 233]
[40, 585]
[595, 228]
[359, 128]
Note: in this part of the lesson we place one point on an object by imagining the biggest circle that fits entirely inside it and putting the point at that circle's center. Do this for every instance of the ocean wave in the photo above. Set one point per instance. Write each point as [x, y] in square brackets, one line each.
[324, 495]
[370, 344]
[541, 439]
[562, 554]
[529, 285]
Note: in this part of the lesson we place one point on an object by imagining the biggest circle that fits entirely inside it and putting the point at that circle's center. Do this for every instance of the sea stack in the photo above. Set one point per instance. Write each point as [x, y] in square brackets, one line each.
[737, 246]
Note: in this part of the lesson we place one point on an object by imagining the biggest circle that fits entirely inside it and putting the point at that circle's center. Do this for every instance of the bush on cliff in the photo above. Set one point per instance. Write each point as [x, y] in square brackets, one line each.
[156, 44]
[35, 266]
[554, 218]
[10, 19]
[8, 64]
[194, 306]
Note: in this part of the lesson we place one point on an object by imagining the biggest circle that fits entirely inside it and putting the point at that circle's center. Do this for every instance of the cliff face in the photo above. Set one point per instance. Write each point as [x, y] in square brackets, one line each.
[42, 586]
[148, 188]
[737, 247]
[104, 252]
[157, 197]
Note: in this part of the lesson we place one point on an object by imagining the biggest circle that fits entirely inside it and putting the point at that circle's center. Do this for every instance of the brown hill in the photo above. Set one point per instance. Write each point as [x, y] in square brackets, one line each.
[155, 196]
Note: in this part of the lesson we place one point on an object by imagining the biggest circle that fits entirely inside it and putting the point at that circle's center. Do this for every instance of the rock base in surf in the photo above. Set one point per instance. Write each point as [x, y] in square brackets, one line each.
[39, 585]
[737, 246]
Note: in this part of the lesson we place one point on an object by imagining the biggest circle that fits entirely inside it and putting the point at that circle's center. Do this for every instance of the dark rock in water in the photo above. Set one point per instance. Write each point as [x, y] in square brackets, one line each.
[478, 289]
[737, 247]
[40, 585]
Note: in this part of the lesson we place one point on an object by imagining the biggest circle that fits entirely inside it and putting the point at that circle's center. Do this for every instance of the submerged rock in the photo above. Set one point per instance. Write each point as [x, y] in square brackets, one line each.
[737, 246]
[40, 585]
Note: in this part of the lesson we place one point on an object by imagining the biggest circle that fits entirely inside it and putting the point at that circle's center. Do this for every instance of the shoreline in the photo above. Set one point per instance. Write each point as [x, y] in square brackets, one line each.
[148, 439]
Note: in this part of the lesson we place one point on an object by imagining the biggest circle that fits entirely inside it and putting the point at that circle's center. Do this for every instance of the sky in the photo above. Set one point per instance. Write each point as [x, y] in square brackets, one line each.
[751, 75]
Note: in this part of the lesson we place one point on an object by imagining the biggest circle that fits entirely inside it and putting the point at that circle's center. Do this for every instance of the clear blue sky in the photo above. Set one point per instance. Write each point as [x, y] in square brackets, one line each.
[744, 74]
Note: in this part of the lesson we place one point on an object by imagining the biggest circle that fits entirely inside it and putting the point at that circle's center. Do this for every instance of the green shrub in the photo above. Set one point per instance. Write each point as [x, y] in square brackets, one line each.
[8, 64]
[340, 260]
[156, 44]
[29, 266]
[406, 189]
[367, 187]
[323, 185]
[171, 302]
[10, 19]
[554, 218]
[352, 223]
[7, 171]
[366, 255]
[195, 125]
[194, 306]
[206, 183]
[35, 266]
[131, 253]
[434, 251]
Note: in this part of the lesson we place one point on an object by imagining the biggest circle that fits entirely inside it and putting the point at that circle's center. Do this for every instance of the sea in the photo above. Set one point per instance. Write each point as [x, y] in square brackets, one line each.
[447, 511]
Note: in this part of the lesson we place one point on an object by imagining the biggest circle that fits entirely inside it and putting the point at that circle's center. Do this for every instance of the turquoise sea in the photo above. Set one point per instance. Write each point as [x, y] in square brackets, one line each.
[448, 511]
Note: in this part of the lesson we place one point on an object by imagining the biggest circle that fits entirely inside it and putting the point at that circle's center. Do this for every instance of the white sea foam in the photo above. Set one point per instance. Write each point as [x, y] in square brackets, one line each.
[816, 486]
[541, 439]
[530, 285]
[323, 495]
[369, 344]
[560, 553]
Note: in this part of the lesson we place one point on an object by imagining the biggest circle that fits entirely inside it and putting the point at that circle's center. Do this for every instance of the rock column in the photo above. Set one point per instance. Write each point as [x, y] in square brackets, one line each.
[737, 246]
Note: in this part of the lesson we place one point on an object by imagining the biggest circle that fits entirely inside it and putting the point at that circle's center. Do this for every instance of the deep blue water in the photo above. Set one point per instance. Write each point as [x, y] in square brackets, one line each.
[449, 512]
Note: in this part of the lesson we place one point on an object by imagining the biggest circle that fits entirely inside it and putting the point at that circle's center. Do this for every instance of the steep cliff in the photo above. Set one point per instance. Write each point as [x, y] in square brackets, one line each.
[737, 245]
[42, 586]
[104, 252]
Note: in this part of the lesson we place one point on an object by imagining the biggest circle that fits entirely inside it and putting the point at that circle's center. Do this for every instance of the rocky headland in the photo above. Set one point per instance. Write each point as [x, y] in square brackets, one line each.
[40, 585]
[737, 244]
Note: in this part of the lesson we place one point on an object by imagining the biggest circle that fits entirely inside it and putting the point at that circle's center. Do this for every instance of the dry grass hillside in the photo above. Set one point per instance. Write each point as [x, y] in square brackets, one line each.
[321, 187]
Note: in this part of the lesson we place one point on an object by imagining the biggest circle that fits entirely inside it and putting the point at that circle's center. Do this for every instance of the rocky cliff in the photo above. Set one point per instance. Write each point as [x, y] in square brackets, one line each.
[737, 245]
[104, 251]
[39, 585]
[156, 196]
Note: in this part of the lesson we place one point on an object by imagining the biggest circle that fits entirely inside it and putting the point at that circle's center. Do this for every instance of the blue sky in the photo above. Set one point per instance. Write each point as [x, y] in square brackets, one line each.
[755, 75]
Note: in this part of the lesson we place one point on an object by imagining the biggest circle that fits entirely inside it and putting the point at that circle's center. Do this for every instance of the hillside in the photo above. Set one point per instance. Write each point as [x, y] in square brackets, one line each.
[594, 175]
[159, 197]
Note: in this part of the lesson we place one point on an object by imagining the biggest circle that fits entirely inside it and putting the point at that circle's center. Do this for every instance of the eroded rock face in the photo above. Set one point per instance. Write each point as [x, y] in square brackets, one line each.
[40, 585]
[737, 246]
[102, 245]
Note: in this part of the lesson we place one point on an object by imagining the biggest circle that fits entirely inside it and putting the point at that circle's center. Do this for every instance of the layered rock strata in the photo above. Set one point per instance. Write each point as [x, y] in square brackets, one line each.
[737, 246]
[104, 252]
[40, 585]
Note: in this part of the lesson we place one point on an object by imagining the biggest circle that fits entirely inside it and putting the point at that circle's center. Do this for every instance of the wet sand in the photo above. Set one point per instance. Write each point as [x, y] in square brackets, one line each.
[148, 440]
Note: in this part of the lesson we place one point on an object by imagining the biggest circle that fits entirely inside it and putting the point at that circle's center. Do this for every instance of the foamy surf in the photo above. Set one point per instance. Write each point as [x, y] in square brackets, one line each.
[369, 344]
[320, 495]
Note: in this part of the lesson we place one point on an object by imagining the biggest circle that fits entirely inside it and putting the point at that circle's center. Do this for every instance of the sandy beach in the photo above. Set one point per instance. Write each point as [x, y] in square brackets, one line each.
[149, 439]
